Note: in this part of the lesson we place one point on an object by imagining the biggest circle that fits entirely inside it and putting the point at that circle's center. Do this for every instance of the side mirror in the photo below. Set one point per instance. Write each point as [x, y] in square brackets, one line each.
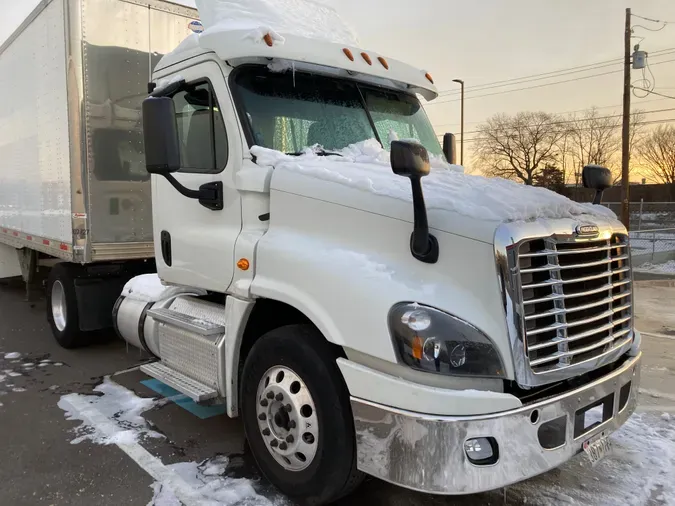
[450, 148]
[411, 160]
[160, 133]
[596, 178]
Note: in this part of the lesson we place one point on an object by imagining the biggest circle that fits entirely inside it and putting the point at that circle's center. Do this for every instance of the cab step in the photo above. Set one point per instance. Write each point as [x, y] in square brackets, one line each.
[195, 390]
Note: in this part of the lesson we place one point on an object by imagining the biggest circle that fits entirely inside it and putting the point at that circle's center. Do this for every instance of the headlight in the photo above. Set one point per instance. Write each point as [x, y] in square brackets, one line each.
[433, 341]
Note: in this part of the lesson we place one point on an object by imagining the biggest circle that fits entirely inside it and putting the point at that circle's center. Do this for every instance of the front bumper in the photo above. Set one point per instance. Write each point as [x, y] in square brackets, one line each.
[426, 452]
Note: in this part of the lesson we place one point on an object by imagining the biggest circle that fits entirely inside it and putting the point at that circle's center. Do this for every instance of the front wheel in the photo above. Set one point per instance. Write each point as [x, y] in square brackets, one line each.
[297, 415]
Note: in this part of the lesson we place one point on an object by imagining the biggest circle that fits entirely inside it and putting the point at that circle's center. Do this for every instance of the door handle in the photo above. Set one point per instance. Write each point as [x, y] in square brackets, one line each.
[165, 245]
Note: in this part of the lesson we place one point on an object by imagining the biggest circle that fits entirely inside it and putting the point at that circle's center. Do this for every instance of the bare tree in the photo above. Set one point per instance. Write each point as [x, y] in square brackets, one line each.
[518, 147]
[657, 153]
[596, 139]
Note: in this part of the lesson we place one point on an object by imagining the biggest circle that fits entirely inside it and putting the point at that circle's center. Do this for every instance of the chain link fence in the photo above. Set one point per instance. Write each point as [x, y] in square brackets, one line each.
[647, 215]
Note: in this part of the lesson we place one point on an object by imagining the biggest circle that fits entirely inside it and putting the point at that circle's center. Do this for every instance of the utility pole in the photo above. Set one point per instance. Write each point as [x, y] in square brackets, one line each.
[625, 133]
[461, 149]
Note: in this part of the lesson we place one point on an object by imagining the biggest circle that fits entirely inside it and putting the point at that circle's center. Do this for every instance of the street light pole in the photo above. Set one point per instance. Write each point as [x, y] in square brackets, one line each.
[461, 152]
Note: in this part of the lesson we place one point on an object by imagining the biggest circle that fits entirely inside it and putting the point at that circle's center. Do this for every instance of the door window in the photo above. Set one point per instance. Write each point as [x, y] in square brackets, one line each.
[201, 130]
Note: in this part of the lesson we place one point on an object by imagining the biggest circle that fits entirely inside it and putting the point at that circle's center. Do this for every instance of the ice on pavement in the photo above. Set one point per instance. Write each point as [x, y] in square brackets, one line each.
[366, 166]
[209, 480]
[119, 406]
[149, 288]
[256, 18]
[13, 355]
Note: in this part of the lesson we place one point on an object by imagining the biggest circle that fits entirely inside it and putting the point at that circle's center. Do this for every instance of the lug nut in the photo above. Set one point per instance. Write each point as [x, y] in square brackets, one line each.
[289, 408]
[266, 432]
[274, 443]
[262, 416]
[280, 397]
[264, 403]
[292, 424]
[283, 446]
[290, 439]
[270, 395]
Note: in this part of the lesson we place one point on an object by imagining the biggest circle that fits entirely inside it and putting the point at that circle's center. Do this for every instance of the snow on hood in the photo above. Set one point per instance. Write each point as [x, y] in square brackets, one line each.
[304, 18]
[365, 166]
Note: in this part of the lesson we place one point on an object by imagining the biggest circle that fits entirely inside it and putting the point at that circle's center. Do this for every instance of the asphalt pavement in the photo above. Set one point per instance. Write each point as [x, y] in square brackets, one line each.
[41, 465]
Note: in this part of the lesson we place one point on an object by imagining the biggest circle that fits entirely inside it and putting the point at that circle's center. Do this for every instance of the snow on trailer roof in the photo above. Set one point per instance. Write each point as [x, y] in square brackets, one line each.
[297, 30]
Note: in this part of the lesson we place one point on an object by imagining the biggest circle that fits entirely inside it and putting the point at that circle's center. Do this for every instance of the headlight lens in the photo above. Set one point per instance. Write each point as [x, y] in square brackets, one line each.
[433, 341]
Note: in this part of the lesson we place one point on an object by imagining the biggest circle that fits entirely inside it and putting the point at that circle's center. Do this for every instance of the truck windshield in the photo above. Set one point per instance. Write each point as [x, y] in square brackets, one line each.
[290, 111]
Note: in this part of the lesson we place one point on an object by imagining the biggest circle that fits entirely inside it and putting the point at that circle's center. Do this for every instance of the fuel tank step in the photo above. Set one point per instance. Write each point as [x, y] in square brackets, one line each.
[187, 322]
[195, 390]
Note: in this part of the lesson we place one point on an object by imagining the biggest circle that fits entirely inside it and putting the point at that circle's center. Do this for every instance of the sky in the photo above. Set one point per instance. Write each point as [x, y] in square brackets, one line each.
[485, 41]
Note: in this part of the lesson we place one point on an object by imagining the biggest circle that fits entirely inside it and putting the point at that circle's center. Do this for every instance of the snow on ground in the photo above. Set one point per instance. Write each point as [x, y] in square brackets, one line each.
[13, 355]
[116, 403]
[366, 167]
[114, 416]
[639, 472]
[210, 480]
[666, 268]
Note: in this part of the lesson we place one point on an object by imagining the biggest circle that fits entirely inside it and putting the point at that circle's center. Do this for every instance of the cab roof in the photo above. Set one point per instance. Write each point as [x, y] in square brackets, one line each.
[241, 46]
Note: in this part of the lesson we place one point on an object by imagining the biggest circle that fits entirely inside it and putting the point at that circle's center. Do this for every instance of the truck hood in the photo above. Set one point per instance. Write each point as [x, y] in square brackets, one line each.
[360, 177]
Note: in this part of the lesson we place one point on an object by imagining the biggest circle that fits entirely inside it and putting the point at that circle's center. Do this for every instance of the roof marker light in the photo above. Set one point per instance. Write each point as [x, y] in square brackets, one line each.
[366, 57]
[268, 40]
[384, 62]
[349, 53]
[429, 78]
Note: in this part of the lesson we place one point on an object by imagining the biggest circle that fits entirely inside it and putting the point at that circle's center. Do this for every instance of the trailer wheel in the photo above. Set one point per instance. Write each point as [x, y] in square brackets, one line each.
[297, 415]
[62, 310]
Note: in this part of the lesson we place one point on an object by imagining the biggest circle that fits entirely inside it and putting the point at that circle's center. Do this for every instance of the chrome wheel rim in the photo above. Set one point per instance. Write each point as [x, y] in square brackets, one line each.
[287, 418]
[59, 306]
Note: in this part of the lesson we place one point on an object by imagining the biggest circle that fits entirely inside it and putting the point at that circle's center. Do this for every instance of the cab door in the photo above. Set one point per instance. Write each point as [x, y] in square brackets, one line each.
[194, 244]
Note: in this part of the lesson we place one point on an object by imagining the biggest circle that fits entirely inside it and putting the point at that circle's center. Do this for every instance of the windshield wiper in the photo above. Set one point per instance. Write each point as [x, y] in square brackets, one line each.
[318, 152]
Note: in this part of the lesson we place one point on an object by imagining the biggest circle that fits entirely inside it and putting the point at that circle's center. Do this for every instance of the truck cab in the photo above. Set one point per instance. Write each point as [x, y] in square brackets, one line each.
[361, 303]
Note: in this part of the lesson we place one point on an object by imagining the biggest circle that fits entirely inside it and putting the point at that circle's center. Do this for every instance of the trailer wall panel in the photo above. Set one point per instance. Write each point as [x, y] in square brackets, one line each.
[34, 142]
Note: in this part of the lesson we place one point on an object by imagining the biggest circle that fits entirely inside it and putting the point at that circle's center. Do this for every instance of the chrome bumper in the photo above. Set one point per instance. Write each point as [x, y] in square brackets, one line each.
[426, 452]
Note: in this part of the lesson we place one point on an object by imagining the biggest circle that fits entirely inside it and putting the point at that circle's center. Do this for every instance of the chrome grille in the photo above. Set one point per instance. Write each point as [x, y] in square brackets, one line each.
[575, 299]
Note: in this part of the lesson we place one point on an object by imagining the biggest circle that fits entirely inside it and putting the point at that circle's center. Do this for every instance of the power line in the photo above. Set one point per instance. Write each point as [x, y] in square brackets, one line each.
[653, 20]
[653, 92]
[577, 120]
[570, 70]
[564, 112]
[653, 122]
[537, 86]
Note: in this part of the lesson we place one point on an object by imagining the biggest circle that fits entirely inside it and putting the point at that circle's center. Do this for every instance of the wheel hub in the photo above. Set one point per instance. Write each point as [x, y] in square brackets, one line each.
[59, 305]
[287, 418]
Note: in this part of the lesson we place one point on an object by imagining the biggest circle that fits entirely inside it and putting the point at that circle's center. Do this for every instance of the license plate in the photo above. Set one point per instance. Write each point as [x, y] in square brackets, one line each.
[598, 449]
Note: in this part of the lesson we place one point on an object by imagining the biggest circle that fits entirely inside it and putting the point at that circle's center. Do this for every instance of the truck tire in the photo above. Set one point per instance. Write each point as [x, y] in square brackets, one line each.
[297, 416]
[62, 311]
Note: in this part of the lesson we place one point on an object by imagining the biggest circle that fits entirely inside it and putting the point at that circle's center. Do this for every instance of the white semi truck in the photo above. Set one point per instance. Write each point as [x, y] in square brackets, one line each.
[450, 345]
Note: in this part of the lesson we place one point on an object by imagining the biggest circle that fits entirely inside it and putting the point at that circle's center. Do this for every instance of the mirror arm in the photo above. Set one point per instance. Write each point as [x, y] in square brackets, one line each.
[210, 195]
[185, 192]
[423, 245]
[597, 200]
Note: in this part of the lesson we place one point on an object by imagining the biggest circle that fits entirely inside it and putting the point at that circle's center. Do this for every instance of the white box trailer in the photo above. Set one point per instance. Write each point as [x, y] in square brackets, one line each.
[73, 184]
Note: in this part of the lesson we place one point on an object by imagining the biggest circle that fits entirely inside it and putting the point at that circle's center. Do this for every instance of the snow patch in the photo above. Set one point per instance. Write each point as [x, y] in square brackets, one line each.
[256, 18]
[13, 355]
[149, 288]
[18, 390]
[212, 486]
[366, 167]
[665, 268]
[641, 466]
[120, 406]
